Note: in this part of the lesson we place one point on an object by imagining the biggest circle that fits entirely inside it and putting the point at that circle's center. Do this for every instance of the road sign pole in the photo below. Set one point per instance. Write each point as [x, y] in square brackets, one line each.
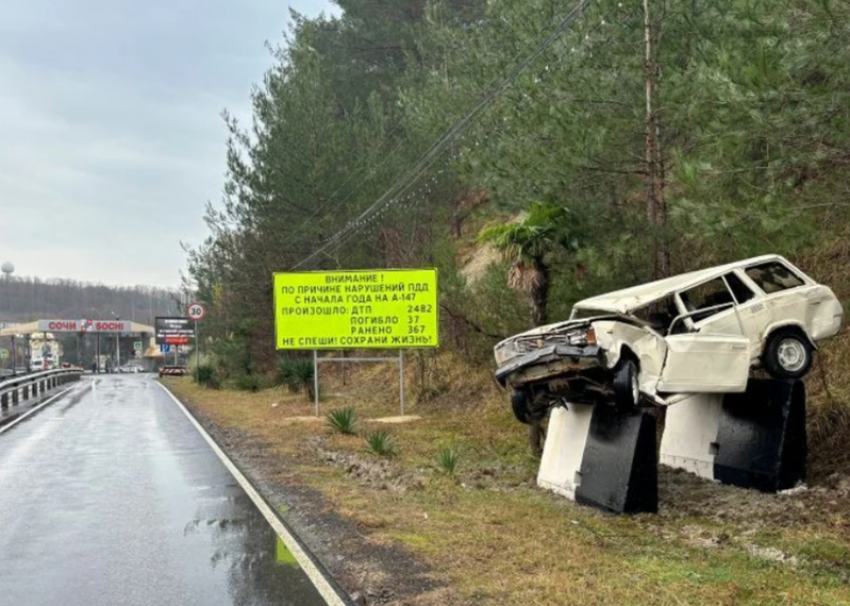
[316, 381]
[401, 379]
[198, 353]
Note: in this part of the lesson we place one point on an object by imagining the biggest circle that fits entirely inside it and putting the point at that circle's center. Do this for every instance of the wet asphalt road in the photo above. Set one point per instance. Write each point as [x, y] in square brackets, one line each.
[110, 496]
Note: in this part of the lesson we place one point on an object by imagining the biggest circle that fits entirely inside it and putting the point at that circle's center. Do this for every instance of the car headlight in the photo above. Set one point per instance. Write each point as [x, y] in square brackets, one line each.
[587, 337]
[505, 352]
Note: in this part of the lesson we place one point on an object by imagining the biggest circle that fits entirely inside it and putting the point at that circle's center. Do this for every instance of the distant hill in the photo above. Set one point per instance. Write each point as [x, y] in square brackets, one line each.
[24, 299]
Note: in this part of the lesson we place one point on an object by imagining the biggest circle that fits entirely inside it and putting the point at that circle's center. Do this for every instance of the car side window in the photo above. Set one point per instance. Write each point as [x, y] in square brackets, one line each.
[742, 292]
[708, 294]
[774, 277]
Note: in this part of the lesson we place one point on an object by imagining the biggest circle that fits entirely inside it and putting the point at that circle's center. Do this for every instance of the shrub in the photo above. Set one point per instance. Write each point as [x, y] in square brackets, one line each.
[251, 383]
[380, 443]
[296, 374]
[231, 357]
[343, 420]
[447, 460]
[207, 376]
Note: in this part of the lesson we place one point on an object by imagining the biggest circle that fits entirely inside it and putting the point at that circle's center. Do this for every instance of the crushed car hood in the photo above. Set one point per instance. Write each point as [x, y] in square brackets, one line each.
[550, 328]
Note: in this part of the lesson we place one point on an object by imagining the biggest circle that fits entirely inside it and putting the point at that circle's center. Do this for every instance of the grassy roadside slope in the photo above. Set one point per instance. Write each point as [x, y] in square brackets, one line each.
[496, 538]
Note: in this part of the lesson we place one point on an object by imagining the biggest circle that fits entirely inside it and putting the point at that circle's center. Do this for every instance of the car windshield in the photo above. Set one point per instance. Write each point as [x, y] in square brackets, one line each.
[584, 314]
[659, 315]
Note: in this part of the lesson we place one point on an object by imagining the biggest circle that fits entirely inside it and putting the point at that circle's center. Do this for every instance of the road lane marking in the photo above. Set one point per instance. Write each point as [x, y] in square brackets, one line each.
[321, 580]
[29, 413]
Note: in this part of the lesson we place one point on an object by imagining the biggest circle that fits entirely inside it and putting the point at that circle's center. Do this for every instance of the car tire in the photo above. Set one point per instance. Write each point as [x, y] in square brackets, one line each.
[519, 404]
[787, 355]
[626, 387]
[530, 409]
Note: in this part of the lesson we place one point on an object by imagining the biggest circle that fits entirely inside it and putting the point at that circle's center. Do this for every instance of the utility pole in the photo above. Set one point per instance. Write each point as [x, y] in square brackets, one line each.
[656, 206]
[117, 345]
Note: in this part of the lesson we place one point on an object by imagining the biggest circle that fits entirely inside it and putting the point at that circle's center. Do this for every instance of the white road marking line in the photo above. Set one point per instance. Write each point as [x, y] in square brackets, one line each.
[320, 582]
[24, 417]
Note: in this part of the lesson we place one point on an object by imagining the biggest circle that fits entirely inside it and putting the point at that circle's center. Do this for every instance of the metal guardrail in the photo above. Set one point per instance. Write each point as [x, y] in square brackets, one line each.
[19, 389]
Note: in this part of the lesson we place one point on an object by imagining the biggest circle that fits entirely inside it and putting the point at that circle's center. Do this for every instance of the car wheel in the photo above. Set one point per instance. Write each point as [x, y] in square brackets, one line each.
[519, 404]
[626, 386]
[787, 355]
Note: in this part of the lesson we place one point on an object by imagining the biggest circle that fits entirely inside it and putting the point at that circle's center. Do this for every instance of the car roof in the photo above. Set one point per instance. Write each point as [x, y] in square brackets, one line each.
[628, 299]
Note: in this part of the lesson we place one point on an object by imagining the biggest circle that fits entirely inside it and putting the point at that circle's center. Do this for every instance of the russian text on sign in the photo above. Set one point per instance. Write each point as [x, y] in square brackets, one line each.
[358, 309]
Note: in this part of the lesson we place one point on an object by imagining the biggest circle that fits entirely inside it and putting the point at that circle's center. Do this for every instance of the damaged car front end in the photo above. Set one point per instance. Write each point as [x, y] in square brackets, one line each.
[536, 355]
[562, 362]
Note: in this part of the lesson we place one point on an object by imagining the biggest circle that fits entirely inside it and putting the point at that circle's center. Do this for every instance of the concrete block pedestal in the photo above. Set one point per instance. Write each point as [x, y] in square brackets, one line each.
[605, 458]
[598, 456]
[755, 439]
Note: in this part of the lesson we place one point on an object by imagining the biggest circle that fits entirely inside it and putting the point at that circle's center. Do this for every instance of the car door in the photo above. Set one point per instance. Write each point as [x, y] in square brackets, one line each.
[753, 311]
[713, 355]
[705, 363]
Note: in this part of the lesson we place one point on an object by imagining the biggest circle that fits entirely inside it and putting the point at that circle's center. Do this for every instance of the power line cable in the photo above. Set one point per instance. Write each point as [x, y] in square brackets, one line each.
[367, 222]
[458, 128]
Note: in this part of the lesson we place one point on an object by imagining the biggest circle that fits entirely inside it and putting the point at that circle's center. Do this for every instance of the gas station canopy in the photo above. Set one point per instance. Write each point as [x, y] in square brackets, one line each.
[77, 326]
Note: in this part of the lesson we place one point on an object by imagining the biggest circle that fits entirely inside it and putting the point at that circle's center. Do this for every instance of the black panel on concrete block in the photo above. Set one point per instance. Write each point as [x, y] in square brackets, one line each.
[762, 436]
[619, 469]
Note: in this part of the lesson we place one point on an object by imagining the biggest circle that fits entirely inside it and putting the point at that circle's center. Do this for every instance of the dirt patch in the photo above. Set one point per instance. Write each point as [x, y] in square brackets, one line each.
[397, 420]
[377, 473]
[683, 495]
[482, 258]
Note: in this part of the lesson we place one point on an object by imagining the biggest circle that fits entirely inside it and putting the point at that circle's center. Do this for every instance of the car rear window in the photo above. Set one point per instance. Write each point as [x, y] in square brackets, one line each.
[774, 277]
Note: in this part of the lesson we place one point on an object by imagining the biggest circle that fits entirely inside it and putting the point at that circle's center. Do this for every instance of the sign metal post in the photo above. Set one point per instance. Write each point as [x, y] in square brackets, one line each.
[401, 380]
[197, 352]
[316, 380]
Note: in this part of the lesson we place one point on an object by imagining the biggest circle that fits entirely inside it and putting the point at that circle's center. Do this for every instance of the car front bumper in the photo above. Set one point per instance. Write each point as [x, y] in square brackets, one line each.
[547, 362]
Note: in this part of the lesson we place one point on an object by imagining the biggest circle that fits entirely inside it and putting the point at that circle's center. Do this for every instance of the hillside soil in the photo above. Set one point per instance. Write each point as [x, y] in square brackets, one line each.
[401, 531]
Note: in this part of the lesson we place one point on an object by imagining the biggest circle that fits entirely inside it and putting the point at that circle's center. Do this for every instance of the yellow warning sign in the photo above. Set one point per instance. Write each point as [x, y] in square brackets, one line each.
[380, 309]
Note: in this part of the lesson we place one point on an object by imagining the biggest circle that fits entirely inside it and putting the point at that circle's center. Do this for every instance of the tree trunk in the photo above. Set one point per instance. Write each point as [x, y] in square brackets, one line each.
[536, 437]
[540, 316]
[540, 293]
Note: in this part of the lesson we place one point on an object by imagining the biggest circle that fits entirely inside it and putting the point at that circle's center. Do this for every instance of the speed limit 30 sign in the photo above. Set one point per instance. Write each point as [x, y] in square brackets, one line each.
[196, 311]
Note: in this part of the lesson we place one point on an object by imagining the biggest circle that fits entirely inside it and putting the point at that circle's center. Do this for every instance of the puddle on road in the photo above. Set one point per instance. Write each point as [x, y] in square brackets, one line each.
[283, 556]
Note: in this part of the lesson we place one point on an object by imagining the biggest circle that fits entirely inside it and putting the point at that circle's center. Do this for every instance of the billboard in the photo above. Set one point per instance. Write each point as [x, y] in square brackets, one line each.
[173, 330]
[121, 326]
[364, 309]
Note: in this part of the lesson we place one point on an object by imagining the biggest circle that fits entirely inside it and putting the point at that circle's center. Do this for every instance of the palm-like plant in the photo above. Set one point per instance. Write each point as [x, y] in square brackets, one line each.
[343, 420]
[527, 244]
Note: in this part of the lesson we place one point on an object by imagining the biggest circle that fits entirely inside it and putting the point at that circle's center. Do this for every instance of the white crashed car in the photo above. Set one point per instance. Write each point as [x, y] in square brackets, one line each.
[698, 332]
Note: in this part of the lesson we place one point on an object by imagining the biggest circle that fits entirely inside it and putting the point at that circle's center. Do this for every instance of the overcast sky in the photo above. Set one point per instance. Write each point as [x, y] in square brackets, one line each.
[111, 140]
